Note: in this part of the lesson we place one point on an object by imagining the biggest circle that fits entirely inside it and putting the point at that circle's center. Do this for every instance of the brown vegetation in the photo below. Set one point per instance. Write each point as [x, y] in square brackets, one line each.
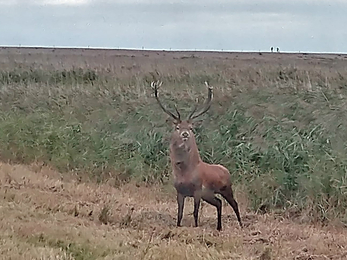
[45, 215]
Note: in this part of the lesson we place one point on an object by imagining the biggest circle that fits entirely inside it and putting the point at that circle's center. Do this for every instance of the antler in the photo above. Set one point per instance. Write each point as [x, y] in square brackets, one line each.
[155, 86]
[206, 106]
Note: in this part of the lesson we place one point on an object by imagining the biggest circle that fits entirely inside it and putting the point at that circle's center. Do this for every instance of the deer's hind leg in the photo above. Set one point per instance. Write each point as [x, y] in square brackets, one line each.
[227, 193]
[210, 198]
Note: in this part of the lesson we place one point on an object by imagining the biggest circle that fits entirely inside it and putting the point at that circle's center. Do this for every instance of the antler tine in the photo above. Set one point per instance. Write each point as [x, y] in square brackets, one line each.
[178, 112]
[193, 111]
[206, 106]
[155, 86]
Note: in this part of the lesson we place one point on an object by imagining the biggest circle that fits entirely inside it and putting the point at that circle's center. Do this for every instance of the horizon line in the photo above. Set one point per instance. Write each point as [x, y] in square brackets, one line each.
[161, 49]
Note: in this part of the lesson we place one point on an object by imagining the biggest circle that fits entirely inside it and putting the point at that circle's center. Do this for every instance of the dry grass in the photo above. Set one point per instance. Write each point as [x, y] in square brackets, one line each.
[239, 68]
[48, 216]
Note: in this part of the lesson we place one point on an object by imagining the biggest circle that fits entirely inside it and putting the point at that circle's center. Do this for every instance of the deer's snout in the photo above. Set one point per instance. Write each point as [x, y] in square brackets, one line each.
[185, 134]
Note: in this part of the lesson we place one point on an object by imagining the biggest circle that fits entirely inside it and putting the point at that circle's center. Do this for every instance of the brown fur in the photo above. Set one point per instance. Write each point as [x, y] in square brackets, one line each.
[193, 177]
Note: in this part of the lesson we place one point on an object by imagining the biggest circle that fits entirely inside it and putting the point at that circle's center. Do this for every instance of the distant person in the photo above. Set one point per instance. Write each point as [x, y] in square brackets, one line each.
[278, 49]
[272, 49]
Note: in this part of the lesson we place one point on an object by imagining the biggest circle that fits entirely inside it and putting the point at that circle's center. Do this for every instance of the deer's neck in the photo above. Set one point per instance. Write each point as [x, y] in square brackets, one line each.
[184, 156]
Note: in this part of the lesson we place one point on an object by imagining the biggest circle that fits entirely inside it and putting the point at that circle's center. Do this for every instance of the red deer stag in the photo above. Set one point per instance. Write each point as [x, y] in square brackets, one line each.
[193, 177]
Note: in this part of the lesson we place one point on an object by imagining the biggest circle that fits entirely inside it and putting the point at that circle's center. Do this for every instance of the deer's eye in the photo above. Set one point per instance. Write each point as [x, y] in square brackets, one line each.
[177, 127]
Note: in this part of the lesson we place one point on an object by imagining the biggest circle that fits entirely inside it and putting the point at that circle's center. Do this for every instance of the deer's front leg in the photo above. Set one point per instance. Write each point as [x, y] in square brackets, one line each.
[197, 198]
[180, 202]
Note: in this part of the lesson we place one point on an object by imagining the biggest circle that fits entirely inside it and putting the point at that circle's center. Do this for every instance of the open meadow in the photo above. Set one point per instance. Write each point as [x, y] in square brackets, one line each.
[85, 172]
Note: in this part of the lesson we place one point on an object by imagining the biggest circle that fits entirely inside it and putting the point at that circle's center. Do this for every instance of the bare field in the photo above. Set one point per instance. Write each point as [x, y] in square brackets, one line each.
[143, 61]
[45, 216]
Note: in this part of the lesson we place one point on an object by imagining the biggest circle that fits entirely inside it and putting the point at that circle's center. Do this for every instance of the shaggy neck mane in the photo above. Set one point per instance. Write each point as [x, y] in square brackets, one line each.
[184, 156]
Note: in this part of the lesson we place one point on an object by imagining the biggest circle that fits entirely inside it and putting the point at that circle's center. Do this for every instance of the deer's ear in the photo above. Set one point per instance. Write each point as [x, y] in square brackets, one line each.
[172, 121]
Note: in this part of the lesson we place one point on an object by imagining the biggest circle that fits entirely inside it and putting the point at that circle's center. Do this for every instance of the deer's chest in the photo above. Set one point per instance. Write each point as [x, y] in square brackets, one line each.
[186, 189]
[187, 186]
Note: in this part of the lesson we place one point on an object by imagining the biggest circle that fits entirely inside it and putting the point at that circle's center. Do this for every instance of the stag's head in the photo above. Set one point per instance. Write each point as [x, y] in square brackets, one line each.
[183, 129]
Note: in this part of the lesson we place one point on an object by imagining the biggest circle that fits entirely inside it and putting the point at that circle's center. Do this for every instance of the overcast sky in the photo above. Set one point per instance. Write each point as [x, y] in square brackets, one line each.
[240, 25]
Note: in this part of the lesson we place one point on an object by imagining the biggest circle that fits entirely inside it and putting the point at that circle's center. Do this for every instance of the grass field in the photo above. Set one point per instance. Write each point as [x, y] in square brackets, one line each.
[83, 143]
